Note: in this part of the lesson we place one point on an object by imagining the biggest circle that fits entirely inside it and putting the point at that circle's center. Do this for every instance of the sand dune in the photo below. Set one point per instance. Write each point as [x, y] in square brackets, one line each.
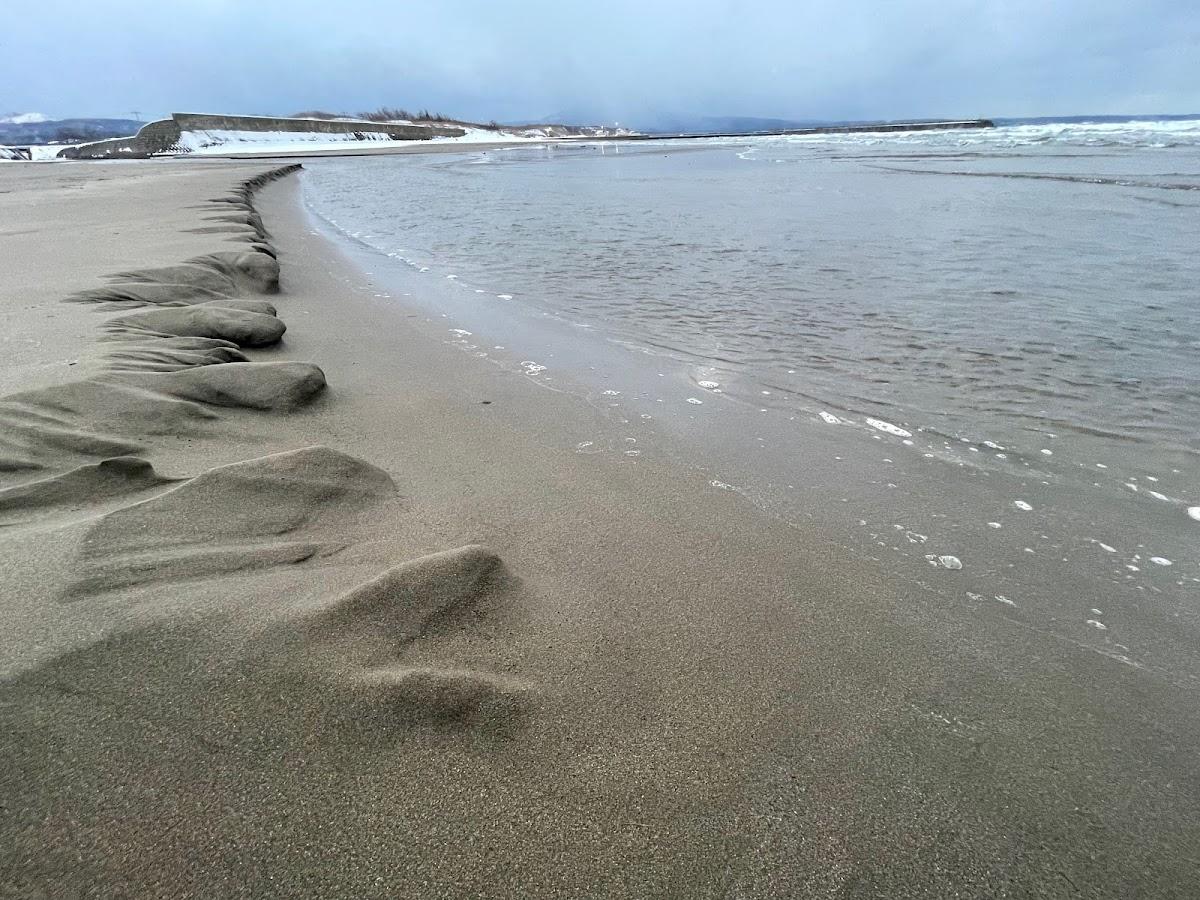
[282, 386]
[248, 515]
[163, 353]
[78, 487]
[242, 327]
[183, 344]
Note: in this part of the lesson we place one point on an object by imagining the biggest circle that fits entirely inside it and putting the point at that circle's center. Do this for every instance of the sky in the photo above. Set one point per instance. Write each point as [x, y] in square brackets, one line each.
[605, 60]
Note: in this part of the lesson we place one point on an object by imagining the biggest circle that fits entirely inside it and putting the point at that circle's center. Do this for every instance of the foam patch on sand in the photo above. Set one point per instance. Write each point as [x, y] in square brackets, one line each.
[888, 428]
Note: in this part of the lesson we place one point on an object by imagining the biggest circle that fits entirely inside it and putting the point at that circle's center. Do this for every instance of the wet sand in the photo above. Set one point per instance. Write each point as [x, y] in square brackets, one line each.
[341, 611]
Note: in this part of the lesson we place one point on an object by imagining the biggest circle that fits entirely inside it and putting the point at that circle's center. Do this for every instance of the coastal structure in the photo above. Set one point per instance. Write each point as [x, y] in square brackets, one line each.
[857, 127]
[165, 135]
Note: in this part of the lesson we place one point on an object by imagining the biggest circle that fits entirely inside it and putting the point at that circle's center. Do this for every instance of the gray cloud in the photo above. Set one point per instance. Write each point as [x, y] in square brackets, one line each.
[616, 59]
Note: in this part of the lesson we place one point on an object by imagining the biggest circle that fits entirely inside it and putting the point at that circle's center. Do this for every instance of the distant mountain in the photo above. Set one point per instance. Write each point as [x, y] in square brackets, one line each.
[666, 124]
[62, 131]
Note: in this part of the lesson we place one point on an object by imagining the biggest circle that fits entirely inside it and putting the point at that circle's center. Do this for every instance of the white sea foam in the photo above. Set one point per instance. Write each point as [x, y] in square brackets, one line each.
[834, 420]
[1194, 512]
[1021, 504]
[888, 427]
[1161, 561]
[945, 561]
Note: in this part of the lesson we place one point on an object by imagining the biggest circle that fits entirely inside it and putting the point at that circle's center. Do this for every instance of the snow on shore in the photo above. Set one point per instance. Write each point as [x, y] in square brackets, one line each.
[226, 143]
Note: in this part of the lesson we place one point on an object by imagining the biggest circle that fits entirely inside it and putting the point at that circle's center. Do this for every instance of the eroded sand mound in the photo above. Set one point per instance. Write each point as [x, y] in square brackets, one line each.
[200, 276]
[235, 698]
[135, 294]
[243, 327]
[89, 419]
[79, 487]
[277, 509]
[100, 418]
[194, 753]
[252, 269]
[161, 353]
[266, 386]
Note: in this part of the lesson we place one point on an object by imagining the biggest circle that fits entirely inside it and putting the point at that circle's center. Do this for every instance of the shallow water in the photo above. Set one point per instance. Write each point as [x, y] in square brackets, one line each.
[1016, 310]
[1051, 287]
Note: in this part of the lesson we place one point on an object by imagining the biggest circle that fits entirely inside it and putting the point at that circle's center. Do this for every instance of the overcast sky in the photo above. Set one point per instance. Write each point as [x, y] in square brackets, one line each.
[606, 59]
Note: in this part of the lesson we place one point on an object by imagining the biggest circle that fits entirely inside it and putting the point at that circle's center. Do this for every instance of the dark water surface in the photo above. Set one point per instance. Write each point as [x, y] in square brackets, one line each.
[913, 338]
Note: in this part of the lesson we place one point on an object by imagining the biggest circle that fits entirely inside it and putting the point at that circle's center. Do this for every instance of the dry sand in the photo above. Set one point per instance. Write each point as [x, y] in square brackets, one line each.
[302, 615]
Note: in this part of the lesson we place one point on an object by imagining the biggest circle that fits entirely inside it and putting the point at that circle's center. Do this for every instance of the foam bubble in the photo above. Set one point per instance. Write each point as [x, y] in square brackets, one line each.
[1096, 623]
[946, 561]
[1194, 512]
[994, 525]
[694, 400]
[709, 384]
[888, 427]
[1161, 561]
[831, 419]
[1021, 504]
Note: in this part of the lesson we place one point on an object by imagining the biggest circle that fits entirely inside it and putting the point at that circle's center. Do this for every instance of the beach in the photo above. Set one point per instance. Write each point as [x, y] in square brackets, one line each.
[352, 610]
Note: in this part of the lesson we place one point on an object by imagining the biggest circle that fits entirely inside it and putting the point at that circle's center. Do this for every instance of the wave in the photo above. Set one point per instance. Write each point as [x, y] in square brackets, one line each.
[1153, 133]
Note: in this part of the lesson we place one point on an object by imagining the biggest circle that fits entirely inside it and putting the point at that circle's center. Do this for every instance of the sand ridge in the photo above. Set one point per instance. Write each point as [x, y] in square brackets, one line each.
[167, 365]
[75, 463]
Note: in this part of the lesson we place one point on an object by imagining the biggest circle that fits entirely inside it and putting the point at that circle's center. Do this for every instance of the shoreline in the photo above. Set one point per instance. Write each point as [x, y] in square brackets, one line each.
[644, 687]
[936, 509]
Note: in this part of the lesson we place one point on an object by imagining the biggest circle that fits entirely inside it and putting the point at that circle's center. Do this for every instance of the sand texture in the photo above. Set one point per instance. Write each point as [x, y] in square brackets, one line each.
[302, 601]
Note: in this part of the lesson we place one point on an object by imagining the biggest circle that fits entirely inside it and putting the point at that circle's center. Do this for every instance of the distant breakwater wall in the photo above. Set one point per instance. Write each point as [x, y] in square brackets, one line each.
[828, 129]
[164, 135]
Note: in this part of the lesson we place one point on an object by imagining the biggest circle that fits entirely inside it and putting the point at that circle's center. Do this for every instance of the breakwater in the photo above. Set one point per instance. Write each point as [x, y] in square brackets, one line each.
[824, 129]
[163, 136]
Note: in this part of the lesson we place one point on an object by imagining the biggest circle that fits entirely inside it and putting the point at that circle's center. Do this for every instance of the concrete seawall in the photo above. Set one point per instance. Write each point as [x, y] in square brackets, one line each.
[164, 135]
[827, 129]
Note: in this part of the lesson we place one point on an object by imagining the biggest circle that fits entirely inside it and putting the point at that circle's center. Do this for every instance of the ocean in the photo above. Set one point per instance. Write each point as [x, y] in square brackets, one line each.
[971, 355]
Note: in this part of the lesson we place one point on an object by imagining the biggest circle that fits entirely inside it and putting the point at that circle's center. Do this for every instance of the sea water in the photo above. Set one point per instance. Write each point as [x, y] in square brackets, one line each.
[973, 346]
